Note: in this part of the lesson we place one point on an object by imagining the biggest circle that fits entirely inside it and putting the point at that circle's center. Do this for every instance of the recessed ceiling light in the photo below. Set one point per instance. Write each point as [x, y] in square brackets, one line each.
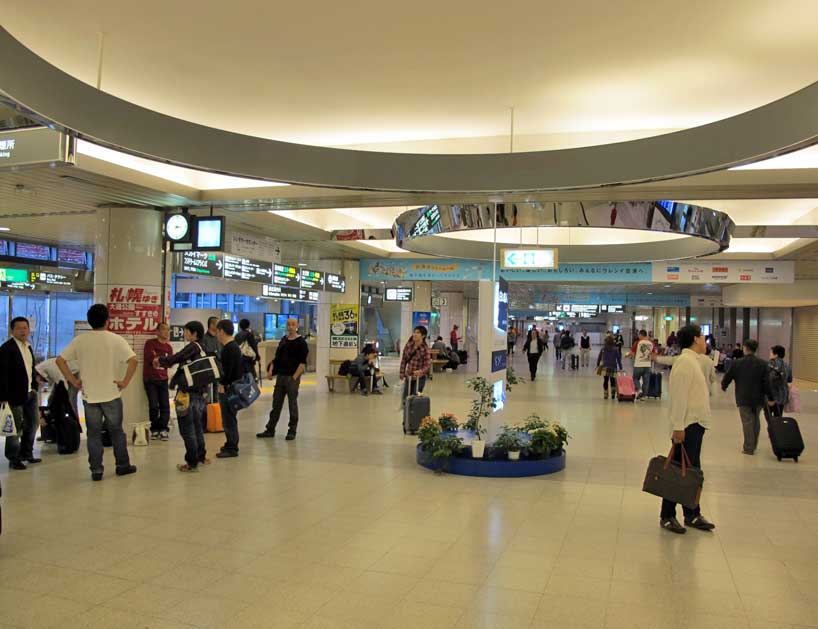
[667, 285]
[301, 264]
[5, 229]
[650, 293]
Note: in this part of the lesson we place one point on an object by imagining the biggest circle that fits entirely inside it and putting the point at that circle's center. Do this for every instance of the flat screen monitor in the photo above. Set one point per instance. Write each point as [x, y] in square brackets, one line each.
[209, 233]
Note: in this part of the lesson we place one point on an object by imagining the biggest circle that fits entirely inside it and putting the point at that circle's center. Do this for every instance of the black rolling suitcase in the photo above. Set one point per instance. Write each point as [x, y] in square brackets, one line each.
[654, 385]
[785, 437]
[415, 408]
[464, 356]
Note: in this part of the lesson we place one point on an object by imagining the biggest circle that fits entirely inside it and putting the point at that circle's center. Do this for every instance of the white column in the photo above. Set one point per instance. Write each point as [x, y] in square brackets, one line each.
[351, 271]
[452, 314]
[129, 255]
[490, 339]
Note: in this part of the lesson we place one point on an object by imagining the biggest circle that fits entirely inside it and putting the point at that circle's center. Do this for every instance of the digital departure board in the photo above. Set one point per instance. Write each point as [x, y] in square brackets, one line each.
[32, 251]
[312, 280]
[335, 283]
[237, 268]
[284, 275]
[4, 247]
[72, 256]
[202, 263]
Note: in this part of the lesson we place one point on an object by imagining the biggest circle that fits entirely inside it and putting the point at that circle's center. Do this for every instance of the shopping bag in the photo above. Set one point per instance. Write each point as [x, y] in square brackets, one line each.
[794, 403]
[214, 418]
[680, 483]
[7, 420]
[141, 434]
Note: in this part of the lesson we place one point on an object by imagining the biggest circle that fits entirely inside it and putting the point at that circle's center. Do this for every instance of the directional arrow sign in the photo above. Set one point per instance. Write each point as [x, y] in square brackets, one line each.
[511, 259]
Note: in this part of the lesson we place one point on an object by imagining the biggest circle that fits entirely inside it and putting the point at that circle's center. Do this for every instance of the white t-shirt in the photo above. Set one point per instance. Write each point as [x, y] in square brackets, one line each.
[48, 369]
[100, 357]
[644, 349]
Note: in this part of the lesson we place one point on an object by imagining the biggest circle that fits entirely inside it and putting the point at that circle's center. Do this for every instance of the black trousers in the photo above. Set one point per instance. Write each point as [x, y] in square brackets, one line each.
[286, 386]
[158, 404]
[694, 434]
[777, 410]
[533, 360]
[27, 421]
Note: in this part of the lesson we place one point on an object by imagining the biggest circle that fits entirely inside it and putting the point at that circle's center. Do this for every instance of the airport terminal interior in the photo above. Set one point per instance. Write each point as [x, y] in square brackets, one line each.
[386, 318]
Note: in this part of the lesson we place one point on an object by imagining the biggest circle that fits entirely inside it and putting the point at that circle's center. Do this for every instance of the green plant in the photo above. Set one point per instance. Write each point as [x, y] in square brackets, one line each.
[436, 446]
[448, 422]
[509, 439]
[512, 378]
[545, 436]
[482, 407]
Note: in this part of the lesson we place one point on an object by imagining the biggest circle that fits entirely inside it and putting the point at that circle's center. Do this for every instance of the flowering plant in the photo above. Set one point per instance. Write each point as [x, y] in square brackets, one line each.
[448, 422]
[434, 444]
[509, 439]
[545, 436]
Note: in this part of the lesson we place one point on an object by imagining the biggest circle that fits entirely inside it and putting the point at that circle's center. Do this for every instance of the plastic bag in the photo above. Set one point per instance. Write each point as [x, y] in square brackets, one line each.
[7, 425]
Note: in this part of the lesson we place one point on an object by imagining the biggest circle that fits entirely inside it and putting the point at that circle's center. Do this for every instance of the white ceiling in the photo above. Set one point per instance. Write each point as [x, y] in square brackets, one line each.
[367, 72]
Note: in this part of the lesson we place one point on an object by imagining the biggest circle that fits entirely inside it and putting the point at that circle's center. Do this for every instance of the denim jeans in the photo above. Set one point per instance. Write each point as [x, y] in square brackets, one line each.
[26, 419]
[230, 423]
[286, 386]
[641, 377]
[158, 404]
[192, 431]
[111, 414]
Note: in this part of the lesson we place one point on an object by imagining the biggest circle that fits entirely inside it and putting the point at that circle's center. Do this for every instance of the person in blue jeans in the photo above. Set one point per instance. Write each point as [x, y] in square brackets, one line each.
[101, 357]
[642, 351]
[191, 423]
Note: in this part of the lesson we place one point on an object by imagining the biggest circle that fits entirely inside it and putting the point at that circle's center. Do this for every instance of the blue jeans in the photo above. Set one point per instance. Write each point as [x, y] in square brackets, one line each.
[641, 377]
[111, 414]
[191, 428]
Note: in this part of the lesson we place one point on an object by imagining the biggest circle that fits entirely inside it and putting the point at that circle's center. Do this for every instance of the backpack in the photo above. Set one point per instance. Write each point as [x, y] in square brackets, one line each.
[567, 342]
[777, 379]
[344, 368]
[200, 372]
[247, 351]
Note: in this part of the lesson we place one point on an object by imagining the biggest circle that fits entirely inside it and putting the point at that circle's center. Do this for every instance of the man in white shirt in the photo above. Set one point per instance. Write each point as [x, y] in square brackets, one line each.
[101, 357]
[18, 389]
[642, 355]
[50, 373]
[690, 417]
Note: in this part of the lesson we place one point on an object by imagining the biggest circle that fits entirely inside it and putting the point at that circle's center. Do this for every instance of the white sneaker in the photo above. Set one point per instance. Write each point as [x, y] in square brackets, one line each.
[164, 435]
[154, 436]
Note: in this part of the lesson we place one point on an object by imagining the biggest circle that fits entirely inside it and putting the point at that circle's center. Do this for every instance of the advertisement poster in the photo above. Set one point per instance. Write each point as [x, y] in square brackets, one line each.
[421, 318]
[134, 310]
[725, 272]
[343, 322]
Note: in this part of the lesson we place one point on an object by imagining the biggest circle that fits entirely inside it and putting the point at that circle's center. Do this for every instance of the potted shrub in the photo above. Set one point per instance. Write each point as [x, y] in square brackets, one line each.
[511, 441]
[545, 438]
[512, 378]
[437, 447]
[481, 408]
[448, 422]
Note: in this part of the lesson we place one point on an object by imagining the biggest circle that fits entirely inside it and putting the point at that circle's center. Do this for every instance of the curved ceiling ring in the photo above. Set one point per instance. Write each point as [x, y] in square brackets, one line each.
[630, 231]
[52, 95]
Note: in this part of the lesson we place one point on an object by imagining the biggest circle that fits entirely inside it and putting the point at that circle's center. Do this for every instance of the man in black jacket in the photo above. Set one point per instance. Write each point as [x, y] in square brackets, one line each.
[752, 392]
[18, 388]
[287, 366]
[232, 371]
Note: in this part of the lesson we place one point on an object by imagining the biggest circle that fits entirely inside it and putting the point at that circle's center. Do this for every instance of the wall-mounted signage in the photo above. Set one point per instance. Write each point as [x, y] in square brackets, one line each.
[580, 309]
[398, 294]
[49, 277]
[4, 247]
[426, 222]
[725, 272]
[343, 320]
[13, 275]
[236, 268]
[284, 275]
[286, 292]
[529, 259]
[32, 251]
[40, 145]
[335, 283]
[312, 280]
[611, 309]
[202, 263]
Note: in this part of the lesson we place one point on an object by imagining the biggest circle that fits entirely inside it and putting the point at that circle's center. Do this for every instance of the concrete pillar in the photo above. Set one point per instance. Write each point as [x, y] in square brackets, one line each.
[352, 296]
[451, 314]
[128, 270]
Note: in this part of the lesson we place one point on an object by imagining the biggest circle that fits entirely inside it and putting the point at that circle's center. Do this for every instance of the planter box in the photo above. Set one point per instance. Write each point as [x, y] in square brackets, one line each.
[498, 467]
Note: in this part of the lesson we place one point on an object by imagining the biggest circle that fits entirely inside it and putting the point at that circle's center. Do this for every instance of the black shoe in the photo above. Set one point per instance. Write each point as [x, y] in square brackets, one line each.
[364, 392]
[125, 470]
[95, 476]
[33, 459]
[265, 435]
[672, 525]
[377, 392]
[17, 465]
[290, 436]
[227, 455]
[700, 523]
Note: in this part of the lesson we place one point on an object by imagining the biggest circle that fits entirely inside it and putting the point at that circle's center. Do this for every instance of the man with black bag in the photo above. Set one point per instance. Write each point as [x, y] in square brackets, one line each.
[289, 363]
[690, 418]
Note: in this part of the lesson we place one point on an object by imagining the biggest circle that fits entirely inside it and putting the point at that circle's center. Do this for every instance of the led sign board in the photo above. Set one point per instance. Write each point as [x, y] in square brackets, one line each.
[202, 263]
[524, 259]
[76, 257]
[312, 280]
[284, 275]
[398, 294]
[335, 283]
[209, 233]
[32, 251]
[14, 275]
[238, 268]
[47, 277]
[286, 292]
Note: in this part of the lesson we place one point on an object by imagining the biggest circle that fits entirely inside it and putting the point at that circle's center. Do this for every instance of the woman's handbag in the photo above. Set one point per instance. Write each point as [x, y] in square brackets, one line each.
[680, 483]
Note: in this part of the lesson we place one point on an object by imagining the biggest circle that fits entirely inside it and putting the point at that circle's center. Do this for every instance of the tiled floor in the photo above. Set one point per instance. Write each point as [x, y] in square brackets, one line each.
[340, 529]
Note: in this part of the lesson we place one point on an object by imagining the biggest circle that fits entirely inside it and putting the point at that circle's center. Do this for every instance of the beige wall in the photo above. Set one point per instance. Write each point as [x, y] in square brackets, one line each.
[805, 343]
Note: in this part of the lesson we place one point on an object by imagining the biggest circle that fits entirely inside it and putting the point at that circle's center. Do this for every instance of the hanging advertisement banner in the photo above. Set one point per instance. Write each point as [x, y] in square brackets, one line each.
[421, 318]
[343, 321]
[725, 272]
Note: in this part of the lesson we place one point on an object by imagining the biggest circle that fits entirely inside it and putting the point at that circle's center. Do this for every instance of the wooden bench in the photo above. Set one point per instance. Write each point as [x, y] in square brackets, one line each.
[438, 364]
[333, 377]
